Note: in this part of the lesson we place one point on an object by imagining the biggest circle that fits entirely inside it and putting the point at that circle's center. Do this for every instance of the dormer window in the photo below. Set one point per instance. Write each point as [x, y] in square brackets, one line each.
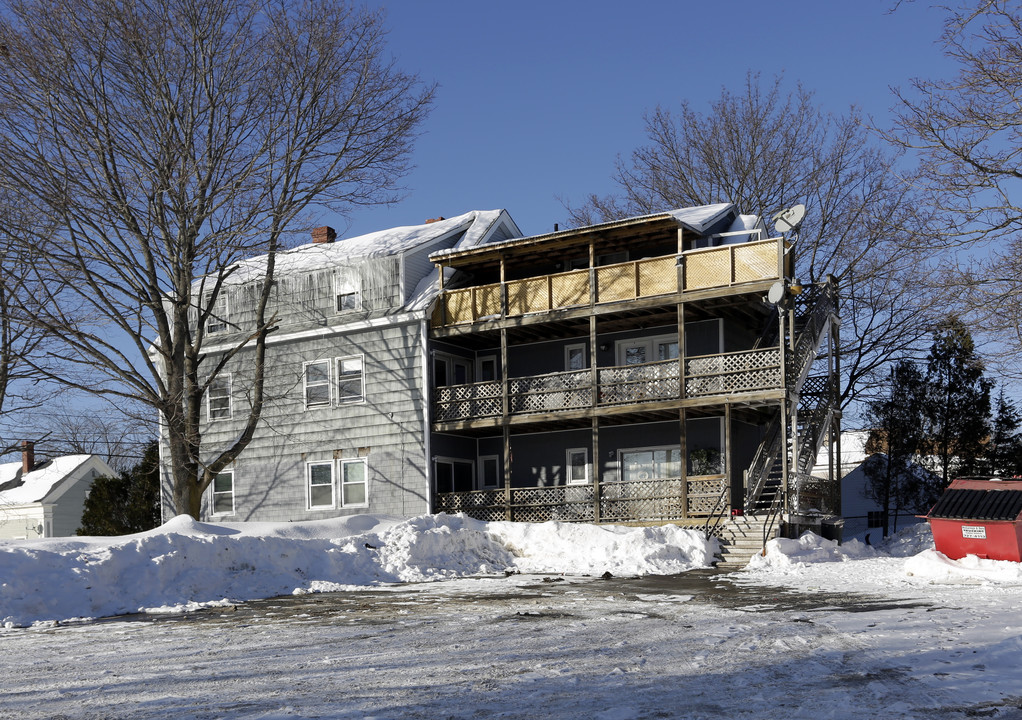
[347, 290]
[216, 321]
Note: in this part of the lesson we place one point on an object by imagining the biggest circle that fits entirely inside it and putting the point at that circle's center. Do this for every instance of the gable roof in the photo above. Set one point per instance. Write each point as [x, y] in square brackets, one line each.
[45, 483]
[474, 227]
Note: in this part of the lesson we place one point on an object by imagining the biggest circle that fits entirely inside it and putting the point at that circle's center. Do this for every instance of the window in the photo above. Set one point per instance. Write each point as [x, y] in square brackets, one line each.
[612, 258]
[489, 471]
[486, 368]
[317, 383]
[218, 398]
[875, 519]
[223, 493]
[648, 349]
[578, 466]
[453, 475]
[321, 484]
[216, 321]
[354, 483]
[350, 385]
[575, 357]
[450, 370]
[347, 289]
[652, 463]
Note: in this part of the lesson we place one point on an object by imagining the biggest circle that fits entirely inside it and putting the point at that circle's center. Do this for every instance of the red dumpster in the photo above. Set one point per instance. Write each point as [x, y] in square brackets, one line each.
[981, 517]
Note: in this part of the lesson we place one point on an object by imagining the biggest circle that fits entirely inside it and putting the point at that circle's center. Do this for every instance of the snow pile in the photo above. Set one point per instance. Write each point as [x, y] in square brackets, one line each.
[186, 564]
[938, 568]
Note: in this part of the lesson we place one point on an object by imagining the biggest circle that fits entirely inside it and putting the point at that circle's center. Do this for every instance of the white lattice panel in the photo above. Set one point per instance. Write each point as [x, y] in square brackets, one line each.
[464, 402]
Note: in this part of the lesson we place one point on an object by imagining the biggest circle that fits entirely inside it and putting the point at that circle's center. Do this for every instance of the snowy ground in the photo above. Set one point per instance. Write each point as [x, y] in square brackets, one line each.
[812, 630]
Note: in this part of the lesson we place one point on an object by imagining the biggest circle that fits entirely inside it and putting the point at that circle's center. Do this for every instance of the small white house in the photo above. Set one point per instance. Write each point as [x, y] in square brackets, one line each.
[861, 513]
[40, 500]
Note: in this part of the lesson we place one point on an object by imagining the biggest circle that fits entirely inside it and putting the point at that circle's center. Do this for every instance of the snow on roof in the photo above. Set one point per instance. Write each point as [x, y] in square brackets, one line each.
[382, 243]
[39, 483]
[701, 218]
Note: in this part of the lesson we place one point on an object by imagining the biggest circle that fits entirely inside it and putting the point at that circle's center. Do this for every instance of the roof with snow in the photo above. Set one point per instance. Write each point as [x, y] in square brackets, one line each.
[701, 220]
[474, 228]
[42, 483]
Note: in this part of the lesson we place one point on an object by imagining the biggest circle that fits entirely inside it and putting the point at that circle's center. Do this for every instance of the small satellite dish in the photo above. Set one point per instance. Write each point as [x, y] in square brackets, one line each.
[791, 219]
[776, 293]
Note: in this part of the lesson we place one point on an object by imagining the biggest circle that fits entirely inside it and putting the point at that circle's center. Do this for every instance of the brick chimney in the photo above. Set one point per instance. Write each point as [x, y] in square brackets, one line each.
[433, 220]
[27, 456]
[325, 234]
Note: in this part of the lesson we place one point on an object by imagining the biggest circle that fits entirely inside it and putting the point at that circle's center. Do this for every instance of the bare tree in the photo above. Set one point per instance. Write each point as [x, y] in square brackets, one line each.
[765, 151]
[966, 133]
[168, 140]
[22, 342]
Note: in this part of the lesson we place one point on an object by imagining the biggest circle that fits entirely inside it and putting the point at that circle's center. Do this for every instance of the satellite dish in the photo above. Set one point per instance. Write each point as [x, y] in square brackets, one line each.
[776, 293]
[791, 219]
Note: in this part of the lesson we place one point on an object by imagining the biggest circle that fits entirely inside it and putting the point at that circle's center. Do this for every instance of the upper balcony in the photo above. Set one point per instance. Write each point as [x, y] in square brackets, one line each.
[707, 269]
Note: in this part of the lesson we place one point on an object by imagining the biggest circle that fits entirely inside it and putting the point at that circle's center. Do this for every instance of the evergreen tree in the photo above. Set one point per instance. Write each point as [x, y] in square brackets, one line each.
[126, 504]
[894, 480]
[957, 407]
[1004, 450]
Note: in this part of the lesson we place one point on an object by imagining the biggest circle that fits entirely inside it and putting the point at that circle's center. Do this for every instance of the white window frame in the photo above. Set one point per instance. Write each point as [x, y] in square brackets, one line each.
[481, 362]
[309, 485]
[651, 343]
[481, 468]
[347, 285]
[568, 349]
[214, 493]
[341, 376]
[219, 380]
[342, 466]
[218, 319]
[568, 479]
[306, 386]
[652, 449]
[452, 461]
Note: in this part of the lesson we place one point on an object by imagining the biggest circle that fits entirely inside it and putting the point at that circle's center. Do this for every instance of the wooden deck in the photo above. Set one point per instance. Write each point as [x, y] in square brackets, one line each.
[692, 271]
[705, 376]
[645, 501]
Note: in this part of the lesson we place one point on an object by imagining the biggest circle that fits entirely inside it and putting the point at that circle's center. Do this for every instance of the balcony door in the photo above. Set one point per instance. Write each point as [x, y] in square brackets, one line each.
[639, 351]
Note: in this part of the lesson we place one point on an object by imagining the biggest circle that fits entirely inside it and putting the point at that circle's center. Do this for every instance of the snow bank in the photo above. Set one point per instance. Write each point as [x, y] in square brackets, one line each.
[186, 564]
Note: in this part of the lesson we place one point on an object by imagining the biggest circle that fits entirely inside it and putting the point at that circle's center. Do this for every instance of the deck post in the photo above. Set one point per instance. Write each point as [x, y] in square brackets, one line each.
[596, 469]
[505, 419]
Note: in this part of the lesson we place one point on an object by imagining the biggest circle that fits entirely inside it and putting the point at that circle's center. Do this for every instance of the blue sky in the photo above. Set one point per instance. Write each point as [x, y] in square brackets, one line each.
[537, 99]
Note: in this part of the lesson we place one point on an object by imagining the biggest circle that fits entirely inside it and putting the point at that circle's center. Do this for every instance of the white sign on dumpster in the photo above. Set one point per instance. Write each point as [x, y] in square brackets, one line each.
[974, 532]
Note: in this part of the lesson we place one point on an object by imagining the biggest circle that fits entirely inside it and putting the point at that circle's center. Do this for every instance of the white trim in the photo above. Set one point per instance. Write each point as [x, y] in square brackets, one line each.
[230, 398]
[567, 466]
[212, 494]
[650, 448]
[341, 464]
[348, 327]
[305, 384]
[567, 356]
[351, 400]
[480, 468]
[451, 460]
[651, 342]
[479, 367]
[426, 406]
[308, 485]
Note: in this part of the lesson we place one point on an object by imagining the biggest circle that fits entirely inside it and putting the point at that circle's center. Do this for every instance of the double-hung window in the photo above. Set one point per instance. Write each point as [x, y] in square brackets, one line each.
[321, 484]
[218, 398]
[350, 379]
[216, 321]
[222, 494]
[354, 483]
[578, 466]
[317, 383]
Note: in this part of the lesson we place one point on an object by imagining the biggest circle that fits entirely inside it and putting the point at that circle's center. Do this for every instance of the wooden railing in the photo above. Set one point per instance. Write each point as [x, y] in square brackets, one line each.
[655, 500]
[650, 277]
[706, 375]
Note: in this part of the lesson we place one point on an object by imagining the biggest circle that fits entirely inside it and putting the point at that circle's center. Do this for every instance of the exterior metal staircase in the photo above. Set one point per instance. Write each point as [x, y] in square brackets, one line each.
[806, 424]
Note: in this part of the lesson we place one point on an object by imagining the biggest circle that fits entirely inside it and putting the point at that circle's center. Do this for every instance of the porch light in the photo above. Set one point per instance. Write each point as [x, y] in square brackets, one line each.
[795, 288]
